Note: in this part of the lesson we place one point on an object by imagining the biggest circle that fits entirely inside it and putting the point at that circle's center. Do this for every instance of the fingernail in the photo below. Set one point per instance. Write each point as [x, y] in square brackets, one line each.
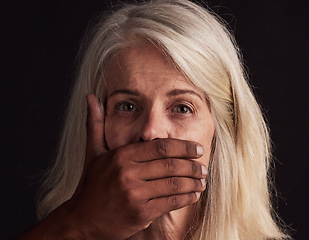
[203, 182]
[199, 150]
[198, 194]
[204, 170]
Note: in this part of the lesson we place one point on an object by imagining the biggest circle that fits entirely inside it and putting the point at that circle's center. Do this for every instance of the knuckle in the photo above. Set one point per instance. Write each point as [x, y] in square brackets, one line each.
[125, 176]
[174, 184]
[162, 147]
[139, 213]
[133, 197]
[174, 201]
[119, 158]
[170, 165]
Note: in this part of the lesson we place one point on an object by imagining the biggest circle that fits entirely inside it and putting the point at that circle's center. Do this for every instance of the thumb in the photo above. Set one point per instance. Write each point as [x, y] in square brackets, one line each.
[95, 127]
[95, 135]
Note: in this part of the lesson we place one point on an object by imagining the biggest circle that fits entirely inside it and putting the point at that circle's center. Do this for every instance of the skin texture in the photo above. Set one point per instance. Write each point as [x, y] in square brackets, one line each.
[146, 156]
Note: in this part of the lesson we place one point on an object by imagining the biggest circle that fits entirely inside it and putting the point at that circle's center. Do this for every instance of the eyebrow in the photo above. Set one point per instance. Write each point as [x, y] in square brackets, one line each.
[172, 93]
[125, 91]
[177, 92]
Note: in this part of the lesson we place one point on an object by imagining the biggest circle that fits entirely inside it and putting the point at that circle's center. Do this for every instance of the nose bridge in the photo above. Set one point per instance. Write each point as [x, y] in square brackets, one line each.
[154, 124]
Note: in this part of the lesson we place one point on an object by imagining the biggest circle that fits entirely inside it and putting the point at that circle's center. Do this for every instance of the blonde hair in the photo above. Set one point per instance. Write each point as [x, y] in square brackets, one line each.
[237, 200]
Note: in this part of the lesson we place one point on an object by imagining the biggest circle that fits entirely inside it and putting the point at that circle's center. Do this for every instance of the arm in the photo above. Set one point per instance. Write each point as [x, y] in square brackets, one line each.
[122, 191]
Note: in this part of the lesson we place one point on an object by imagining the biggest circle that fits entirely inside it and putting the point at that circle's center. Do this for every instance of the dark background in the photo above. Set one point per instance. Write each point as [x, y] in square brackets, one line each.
[39, 42]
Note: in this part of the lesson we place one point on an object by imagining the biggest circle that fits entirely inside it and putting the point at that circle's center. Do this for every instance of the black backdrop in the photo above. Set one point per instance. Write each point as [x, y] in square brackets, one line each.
[39, 42]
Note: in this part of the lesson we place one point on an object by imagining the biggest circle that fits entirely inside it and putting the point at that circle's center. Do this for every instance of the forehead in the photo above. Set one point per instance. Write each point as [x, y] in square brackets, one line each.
[144, 65]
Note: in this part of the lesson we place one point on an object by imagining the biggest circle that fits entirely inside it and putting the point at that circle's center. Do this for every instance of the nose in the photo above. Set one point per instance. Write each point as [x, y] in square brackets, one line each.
[155, 125]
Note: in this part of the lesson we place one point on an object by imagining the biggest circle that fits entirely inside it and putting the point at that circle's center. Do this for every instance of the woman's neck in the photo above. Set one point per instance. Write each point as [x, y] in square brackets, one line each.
[173, 225]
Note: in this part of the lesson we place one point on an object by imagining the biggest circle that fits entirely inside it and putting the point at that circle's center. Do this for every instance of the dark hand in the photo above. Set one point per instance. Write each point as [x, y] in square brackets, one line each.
[122, 191]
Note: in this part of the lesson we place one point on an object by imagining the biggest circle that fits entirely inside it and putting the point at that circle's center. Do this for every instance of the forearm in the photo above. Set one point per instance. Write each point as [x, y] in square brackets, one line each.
[57, 225]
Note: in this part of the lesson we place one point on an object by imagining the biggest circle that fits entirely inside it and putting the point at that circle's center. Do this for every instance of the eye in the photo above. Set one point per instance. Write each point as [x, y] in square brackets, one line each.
[182, 109]
[126, 107]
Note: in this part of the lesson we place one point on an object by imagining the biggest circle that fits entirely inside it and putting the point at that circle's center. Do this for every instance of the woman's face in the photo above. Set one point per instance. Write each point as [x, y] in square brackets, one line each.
[148, 99]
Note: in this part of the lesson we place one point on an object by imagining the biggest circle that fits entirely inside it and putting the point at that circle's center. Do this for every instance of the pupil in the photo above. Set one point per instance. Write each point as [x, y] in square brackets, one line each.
[128, 107]
[182, 109]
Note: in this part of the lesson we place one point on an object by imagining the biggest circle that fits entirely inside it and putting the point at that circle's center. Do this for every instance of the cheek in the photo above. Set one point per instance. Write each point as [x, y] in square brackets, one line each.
[201, 131]
[117, 133]
[206, 141]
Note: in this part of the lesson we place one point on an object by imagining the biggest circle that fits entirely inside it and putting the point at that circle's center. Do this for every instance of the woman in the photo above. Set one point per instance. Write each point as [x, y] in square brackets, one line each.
[175, 145]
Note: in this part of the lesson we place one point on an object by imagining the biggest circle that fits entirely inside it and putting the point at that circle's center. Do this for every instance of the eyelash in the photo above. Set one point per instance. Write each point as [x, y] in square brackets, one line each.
[173, 109]
[120, 107]
[182, 105]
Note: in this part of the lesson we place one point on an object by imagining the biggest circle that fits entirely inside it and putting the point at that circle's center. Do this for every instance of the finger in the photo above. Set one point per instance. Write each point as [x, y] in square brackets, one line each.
[160, 206]
[162, 148]
[171, 167]
[95, 127]
[172, 186]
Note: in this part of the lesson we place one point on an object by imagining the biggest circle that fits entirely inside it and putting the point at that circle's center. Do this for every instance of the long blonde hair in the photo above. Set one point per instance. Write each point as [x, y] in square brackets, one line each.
[237, 200]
